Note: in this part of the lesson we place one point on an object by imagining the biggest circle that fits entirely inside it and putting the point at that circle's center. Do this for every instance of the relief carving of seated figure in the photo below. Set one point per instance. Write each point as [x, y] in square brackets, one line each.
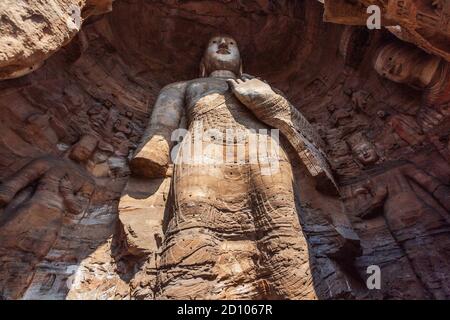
[34, 202]
[415, 206]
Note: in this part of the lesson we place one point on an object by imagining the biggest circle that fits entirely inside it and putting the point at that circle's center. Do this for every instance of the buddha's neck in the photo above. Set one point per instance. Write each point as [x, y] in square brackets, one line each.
[226, 74]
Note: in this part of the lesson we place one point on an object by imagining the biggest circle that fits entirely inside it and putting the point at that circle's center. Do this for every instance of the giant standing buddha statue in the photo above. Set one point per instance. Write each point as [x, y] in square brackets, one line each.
[238, 192]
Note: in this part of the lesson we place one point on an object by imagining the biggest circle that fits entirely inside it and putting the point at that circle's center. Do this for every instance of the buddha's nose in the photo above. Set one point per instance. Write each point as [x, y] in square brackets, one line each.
[223, 44]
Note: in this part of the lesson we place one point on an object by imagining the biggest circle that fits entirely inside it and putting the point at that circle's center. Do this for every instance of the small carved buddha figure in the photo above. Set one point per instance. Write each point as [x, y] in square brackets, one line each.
[231, 221]
[35, 201]
[415, 206]
[363, 150]
[124, 125]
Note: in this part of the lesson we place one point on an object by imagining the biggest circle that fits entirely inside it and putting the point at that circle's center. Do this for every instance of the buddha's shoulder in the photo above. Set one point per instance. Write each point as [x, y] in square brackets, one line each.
[182, 85]
[202, 81]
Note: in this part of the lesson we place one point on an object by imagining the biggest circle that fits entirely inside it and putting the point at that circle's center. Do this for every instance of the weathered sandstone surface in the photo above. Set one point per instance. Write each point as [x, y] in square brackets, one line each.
[75, 102]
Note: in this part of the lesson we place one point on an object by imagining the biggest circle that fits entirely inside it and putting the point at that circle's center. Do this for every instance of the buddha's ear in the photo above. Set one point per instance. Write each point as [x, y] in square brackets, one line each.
[202, 69]
[240, 69]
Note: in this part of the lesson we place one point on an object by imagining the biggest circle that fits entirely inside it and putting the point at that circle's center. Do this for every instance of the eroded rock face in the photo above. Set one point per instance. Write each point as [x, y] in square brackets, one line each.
[78, 119]
[421, 22]
[31, 31]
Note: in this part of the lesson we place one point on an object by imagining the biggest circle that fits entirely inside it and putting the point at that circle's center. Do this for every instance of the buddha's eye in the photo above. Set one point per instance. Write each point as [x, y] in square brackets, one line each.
[231, 42]
[214, 41]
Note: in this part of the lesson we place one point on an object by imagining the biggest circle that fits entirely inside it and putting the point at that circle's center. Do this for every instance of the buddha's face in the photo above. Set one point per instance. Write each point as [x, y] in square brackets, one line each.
[222, 53]
[393, 64]
[365, 153]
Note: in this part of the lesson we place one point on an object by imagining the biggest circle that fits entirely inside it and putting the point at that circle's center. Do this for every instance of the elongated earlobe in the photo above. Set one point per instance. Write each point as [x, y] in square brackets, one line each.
[240, 69]
[202, 69]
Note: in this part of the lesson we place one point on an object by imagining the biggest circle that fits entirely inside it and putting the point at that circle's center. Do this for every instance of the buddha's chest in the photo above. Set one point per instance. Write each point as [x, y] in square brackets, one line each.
[201, 87]
[211, 102]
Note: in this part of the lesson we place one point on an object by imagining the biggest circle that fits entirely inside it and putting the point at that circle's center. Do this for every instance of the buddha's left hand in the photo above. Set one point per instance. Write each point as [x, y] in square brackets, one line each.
[251, 91]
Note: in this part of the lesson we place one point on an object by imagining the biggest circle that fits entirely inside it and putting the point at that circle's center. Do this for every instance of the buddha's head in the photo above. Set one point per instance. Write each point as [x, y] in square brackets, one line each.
[403, 63]
[363, 150]
[393, 62]
[222, 53]
[365, 153]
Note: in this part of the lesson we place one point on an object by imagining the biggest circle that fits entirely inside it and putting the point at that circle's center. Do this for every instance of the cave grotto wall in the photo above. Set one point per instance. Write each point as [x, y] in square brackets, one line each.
[77, 119]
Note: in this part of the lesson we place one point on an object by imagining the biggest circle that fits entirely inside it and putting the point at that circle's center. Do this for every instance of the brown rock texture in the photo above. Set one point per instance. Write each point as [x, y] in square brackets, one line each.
[31, 31]
[421, 22]
[75, 224]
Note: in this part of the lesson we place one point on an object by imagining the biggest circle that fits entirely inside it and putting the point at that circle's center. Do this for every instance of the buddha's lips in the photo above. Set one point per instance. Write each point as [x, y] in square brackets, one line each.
[223, 51]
